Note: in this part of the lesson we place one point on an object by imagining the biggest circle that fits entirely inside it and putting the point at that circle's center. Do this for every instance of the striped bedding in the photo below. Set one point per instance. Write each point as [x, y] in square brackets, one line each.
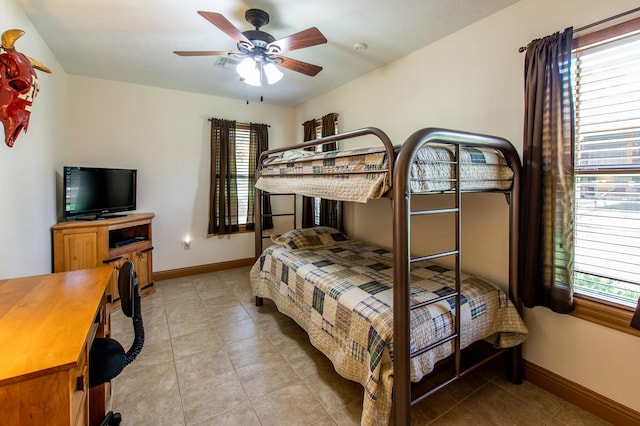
[340, 292]
[361, 174]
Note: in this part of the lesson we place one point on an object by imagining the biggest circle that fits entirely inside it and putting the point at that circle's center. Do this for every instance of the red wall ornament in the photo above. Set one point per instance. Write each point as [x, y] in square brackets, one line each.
[18, 86]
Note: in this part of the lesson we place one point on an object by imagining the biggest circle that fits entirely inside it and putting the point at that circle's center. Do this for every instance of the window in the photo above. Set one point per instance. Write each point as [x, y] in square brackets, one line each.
[235, 147]
[317, 200]
[607, 165]
[242, 172]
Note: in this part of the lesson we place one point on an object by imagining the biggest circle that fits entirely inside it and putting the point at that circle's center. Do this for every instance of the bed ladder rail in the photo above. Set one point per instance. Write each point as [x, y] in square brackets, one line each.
[455, 294]
[454, 335]
[402, 392]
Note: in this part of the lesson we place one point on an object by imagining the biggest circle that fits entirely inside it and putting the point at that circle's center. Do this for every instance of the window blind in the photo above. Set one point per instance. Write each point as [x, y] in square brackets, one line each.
[607, 170]
[242, 170]
[316, 200]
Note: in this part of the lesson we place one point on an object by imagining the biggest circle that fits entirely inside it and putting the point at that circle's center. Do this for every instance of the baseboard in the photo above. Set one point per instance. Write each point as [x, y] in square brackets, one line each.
[601, 406]
[202, 269]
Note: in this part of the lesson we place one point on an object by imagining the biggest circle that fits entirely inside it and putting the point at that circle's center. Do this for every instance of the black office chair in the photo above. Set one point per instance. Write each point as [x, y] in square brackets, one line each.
[107, 357]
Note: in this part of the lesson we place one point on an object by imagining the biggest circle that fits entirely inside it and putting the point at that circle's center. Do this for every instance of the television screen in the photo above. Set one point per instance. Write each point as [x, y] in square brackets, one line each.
[98, 191]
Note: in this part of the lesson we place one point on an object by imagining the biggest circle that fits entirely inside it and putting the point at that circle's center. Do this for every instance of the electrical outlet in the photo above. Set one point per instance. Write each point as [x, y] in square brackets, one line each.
[186, 245]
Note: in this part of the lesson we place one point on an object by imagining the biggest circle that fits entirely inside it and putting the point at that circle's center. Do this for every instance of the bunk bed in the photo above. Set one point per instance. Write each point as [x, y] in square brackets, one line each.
[385, 318]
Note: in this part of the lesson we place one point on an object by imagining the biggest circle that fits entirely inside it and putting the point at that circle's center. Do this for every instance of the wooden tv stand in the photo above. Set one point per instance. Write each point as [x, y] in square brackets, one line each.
[80, 244]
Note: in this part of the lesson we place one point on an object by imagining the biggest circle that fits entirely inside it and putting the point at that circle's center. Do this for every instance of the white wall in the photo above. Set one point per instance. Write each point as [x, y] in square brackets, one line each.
[28, 170]
[473, 80]
[165, 135]
[83, 121]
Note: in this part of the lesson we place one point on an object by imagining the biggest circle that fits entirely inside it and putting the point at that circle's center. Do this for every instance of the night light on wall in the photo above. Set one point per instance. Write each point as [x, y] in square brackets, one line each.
[186, 243]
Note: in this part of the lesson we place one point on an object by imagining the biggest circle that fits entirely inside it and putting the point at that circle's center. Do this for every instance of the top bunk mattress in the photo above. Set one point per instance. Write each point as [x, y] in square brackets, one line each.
[362, 174]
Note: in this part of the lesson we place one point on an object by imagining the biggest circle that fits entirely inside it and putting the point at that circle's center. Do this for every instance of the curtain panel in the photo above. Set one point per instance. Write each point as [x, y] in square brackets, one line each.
[546, 226]
[329, 208]
[308, 211]
[635, 320]
[258, 142]
[223, 187]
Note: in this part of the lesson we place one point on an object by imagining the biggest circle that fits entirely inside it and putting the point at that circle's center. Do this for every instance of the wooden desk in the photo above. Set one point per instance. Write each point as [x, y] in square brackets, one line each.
[47, 324]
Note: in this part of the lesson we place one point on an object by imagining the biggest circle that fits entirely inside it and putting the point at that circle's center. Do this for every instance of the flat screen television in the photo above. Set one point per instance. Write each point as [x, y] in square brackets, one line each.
[92, 192]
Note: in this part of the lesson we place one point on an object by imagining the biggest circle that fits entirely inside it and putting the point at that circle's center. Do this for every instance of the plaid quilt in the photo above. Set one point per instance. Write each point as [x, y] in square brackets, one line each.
[342, 296]
[361, 174]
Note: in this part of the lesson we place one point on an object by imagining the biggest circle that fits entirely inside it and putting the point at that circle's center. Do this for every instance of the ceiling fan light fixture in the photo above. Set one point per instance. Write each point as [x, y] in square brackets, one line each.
[253, 81]
[251, 72]
[273, 73]
[248, 69]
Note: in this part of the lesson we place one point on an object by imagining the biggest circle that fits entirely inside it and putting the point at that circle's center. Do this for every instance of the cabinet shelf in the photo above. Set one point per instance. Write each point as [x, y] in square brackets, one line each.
[115, 252]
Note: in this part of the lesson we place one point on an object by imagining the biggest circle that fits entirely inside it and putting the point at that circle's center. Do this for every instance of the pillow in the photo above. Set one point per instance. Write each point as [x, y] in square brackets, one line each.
[297, 153]
[306, 238]
[290, 155]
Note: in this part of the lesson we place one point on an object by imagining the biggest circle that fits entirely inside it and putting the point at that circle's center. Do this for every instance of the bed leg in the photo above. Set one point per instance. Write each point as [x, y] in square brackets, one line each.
[516, 367]
[259, 301]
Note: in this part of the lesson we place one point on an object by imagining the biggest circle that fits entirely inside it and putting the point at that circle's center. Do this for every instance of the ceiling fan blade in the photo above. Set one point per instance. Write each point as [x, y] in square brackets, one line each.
[307, 38]
[225, 26]
[299, 66]
[200, 53]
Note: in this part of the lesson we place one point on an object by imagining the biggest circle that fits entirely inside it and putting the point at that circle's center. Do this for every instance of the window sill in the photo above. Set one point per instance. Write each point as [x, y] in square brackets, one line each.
[242, 230]
[611, 316]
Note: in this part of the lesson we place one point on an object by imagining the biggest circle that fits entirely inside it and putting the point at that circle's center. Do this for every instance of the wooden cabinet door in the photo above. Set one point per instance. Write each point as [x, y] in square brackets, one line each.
[116, 263]
[80, 251]
[142, 264]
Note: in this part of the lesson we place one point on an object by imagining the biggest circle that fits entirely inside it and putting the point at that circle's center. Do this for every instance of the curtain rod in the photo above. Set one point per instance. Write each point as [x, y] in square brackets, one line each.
[268, 125]
[594, 24]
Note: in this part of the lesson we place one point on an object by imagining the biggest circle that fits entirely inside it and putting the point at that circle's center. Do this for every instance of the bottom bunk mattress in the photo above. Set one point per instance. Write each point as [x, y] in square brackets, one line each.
[340, 291]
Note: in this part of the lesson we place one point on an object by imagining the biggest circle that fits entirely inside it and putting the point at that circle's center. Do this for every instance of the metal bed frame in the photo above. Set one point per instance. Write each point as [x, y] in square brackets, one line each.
[398, 172]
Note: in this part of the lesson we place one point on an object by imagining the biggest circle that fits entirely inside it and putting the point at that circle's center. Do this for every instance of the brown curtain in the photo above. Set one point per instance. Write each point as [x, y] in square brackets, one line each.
[329, 208]
[635, 320]
[308, 210]
[223, 190]
[546, 227]
[258, 142]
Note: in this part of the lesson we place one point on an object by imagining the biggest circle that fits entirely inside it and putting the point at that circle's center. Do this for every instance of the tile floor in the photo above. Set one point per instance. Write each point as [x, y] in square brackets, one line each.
[212, 358]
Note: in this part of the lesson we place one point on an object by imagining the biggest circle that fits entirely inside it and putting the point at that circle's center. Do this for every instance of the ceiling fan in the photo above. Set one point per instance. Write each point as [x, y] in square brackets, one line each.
[260, 50]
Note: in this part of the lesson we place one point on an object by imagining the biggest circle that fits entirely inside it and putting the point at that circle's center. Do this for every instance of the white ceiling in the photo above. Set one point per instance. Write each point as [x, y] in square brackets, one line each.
[133, 40]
